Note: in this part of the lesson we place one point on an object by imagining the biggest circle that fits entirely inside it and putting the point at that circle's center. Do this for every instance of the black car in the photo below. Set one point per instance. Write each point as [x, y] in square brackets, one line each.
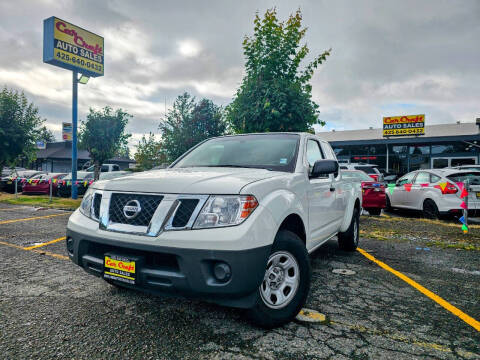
[64, 187]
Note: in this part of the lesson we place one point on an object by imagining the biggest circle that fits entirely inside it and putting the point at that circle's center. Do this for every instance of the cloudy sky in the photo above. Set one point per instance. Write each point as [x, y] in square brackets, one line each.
[389, 57]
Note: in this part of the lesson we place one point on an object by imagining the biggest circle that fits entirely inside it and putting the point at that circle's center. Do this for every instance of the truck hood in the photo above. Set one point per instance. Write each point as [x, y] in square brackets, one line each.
[201, 180]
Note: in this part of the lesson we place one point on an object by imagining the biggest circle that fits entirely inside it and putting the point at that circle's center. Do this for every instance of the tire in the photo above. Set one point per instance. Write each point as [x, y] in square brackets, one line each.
[374, 211]
[348, 240]
[269, 311]
[430, 209]
[388, 206]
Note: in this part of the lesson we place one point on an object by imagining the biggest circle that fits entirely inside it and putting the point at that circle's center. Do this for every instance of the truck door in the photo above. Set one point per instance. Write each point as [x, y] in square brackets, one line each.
[341, 199]
[321, 197]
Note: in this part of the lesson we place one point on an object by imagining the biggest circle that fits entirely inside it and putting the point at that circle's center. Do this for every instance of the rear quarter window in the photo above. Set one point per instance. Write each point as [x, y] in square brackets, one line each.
[434, 178]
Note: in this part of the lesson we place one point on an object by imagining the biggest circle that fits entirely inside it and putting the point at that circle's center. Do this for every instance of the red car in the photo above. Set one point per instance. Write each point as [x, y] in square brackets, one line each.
[40, 184]
[373, 192]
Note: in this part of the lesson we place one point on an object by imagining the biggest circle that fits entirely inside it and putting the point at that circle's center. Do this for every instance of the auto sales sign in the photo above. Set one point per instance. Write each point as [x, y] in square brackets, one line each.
[407, 125]
[73, 48]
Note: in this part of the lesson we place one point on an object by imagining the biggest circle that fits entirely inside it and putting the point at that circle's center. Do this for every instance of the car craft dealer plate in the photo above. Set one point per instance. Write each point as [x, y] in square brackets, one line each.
[120, 268]
[478, 195]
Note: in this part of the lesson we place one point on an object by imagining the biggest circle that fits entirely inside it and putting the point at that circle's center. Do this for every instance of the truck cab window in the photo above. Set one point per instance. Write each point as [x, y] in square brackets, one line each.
[314, 153]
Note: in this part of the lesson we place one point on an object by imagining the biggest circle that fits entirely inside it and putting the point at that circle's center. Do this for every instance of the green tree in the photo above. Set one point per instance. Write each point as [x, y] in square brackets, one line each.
[275, 94]
[103, 134]
[123, 152]
[19, 127]
[149, 153]
[189, 123]
[45, 135]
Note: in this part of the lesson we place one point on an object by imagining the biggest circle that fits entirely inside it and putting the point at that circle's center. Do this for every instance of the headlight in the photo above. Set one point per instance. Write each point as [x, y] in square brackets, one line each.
[229, 210]
[86, 207]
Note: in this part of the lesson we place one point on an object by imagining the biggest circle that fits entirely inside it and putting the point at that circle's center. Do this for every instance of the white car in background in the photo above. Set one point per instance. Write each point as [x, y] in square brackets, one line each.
[435, 192]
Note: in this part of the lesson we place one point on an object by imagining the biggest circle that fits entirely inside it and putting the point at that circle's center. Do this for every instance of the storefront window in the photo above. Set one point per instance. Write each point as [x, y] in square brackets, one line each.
[452, 148]
[419, 150]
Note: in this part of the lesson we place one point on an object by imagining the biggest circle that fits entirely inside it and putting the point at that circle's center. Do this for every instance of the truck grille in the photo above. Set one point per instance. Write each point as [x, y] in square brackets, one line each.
[184, 212]
[148, 205]
[97, 199]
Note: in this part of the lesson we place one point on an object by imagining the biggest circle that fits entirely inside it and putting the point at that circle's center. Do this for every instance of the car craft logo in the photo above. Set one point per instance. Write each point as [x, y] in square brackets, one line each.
[120, 265]
[131, 209]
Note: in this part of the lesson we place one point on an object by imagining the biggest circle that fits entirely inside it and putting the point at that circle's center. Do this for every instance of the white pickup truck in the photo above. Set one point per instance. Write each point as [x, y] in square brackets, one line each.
[232, 221]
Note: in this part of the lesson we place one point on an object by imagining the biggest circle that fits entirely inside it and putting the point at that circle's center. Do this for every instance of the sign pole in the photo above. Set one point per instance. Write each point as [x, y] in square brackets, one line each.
[74, 133]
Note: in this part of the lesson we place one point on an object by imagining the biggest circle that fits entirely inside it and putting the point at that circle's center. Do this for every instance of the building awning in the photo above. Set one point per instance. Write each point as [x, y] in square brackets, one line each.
[433, 134]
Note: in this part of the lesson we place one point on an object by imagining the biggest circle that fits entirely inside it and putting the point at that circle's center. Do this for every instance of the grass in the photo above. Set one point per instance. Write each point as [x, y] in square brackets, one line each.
[435, 233]
[40, 201]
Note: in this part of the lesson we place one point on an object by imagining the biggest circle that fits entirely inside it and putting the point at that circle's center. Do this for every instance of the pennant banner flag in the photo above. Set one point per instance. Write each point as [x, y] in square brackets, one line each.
[54, 181]
[462, 219]
[408, 187]
[464, 227]
[460, 185]
[443, 185]
[424, 185]
[85, 183]
[391, 187]
[464, 193]
[463, 205]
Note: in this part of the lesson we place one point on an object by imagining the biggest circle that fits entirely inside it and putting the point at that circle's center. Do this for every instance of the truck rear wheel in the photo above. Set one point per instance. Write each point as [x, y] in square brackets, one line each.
[286, 282]
[348, 240]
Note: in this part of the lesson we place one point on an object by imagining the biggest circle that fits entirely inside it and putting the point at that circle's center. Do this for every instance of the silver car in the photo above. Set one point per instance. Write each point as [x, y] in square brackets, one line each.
[436, 192]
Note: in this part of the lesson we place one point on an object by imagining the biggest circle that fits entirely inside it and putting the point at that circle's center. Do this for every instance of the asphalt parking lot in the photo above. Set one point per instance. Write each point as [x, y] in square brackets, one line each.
[50, 308]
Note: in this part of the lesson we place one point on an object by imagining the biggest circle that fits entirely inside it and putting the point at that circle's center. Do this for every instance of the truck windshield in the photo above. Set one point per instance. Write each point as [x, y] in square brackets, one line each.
[272, 152]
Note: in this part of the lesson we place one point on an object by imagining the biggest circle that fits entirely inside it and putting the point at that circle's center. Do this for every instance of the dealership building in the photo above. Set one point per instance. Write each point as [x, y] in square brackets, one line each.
[441, 146]
[57, 157]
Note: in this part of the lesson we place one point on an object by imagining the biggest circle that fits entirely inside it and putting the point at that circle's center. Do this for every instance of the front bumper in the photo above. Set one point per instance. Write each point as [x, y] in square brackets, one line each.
[179, 271]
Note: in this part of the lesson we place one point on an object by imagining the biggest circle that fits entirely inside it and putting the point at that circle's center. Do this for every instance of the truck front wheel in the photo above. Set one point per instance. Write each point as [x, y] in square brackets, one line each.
[348, 240]
[286, 282]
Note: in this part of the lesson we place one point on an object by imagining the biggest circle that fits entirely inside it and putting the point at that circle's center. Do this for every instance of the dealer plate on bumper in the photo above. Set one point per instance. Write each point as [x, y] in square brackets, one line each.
[120, 268]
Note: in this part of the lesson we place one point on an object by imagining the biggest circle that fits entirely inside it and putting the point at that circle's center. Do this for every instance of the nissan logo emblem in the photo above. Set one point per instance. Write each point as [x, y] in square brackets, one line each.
[131, 209]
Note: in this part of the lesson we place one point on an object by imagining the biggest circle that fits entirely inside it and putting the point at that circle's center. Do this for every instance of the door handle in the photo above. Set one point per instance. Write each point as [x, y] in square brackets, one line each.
[332, 188]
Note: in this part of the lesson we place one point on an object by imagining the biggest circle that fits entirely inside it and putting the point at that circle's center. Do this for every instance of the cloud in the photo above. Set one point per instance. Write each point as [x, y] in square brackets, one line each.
[384, 54]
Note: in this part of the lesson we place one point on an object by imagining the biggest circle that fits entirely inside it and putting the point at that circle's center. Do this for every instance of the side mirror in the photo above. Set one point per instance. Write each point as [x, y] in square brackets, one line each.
[324, 167]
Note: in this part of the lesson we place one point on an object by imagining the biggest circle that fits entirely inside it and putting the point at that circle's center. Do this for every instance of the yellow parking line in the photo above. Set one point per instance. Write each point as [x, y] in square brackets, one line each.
[57, 256]
[44, 244]
[12, 245]
[446, 305]
[32, 218]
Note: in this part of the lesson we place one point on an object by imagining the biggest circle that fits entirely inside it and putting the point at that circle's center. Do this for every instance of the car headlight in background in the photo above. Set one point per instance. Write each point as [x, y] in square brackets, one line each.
[86, 207]
[221, 210]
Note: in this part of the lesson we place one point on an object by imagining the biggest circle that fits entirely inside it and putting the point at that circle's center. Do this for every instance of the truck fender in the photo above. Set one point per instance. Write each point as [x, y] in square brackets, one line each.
[282, 203]
[347, 217]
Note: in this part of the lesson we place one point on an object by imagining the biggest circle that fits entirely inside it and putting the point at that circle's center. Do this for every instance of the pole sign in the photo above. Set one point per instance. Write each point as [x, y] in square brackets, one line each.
[406, 125]
[73, 48]
[67, 131]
